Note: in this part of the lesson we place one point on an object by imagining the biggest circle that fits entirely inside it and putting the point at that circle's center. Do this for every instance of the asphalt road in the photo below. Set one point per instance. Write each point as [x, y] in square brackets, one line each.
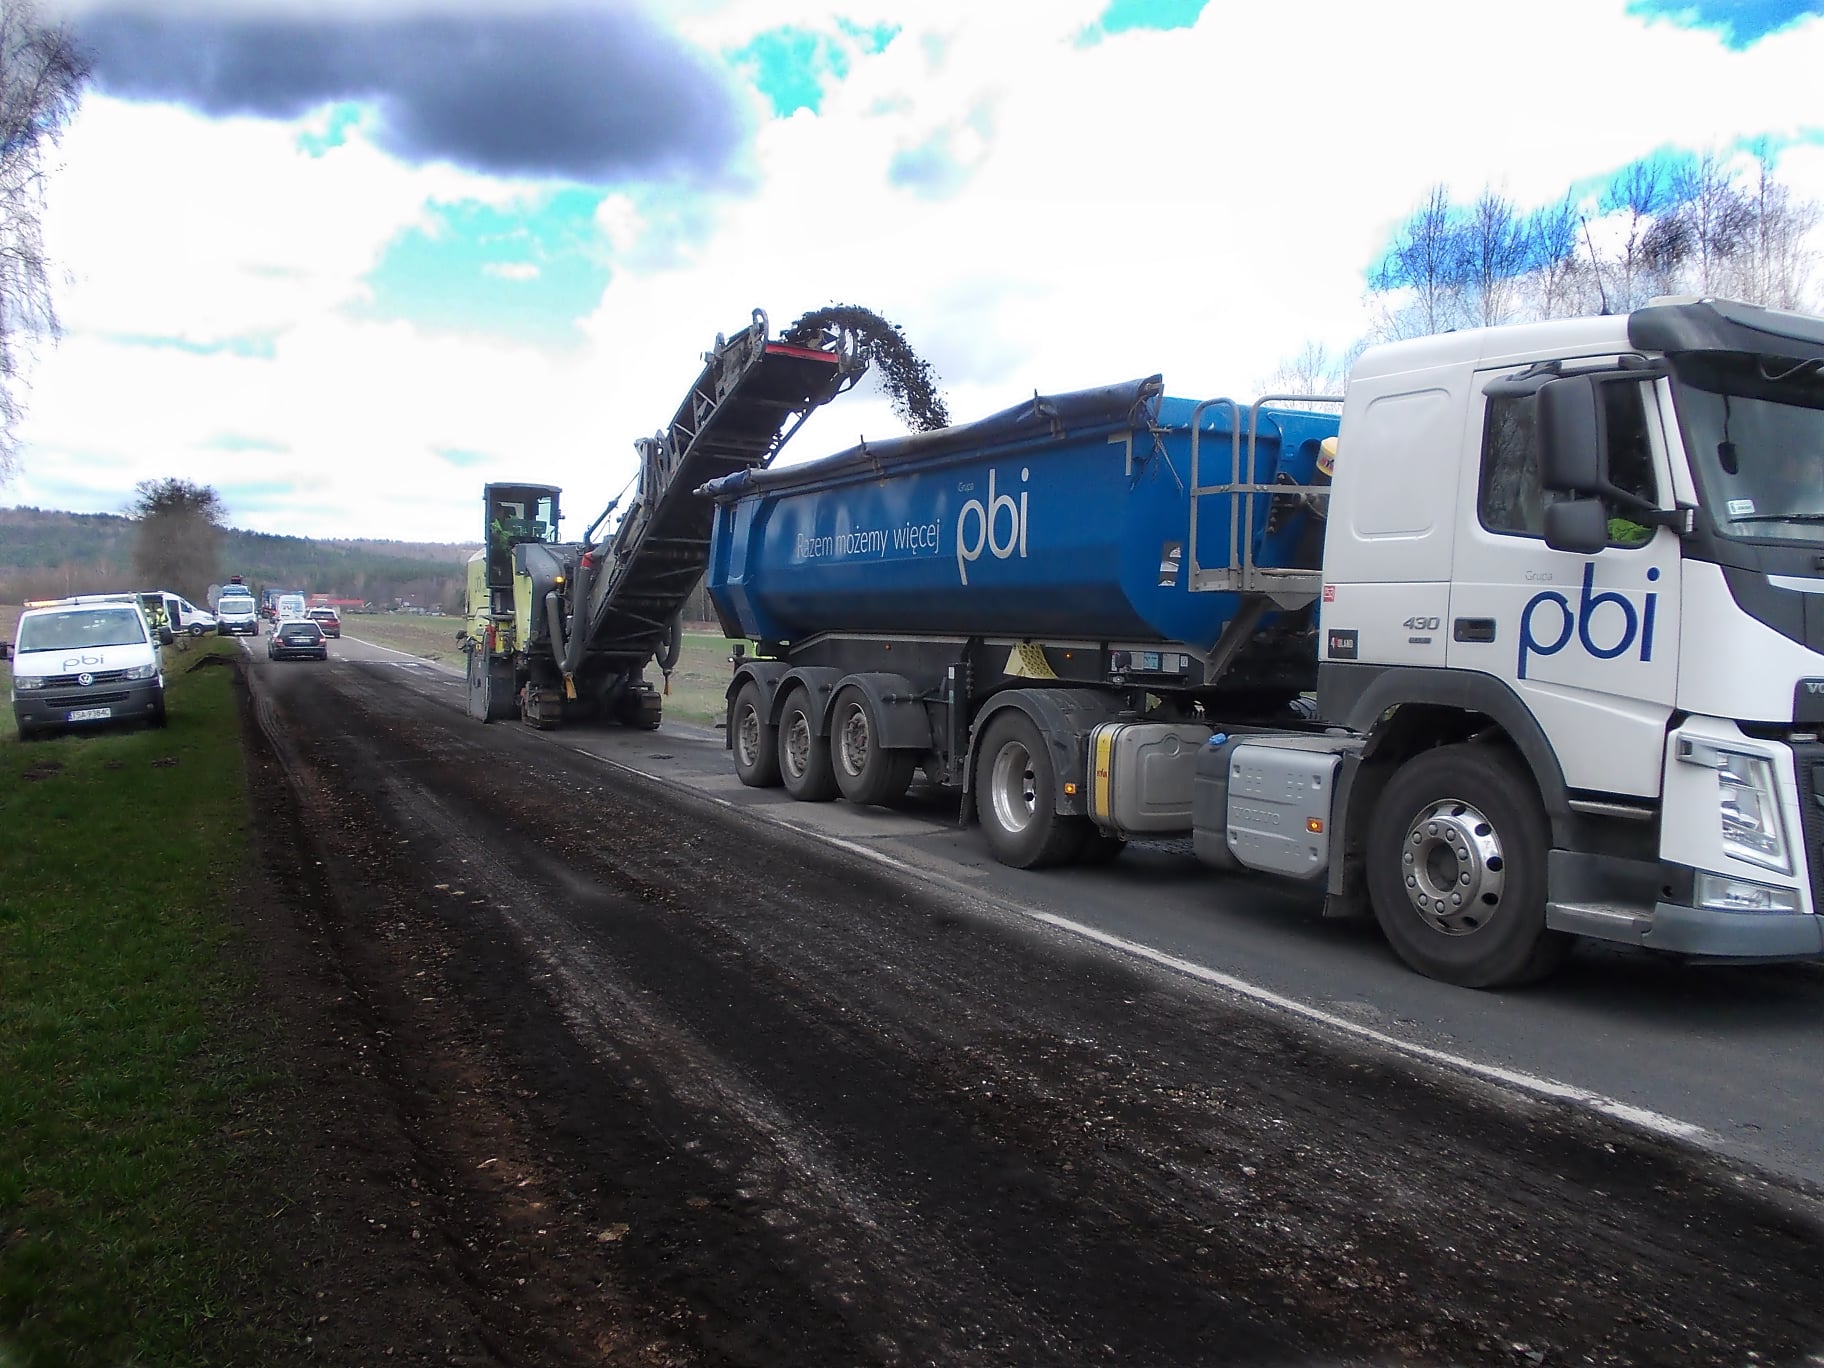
[1727, 1058]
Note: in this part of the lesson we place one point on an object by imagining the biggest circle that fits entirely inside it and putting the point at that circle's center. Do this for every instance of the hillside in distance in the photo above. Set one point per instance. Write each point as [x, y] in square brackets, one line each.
[48, 552]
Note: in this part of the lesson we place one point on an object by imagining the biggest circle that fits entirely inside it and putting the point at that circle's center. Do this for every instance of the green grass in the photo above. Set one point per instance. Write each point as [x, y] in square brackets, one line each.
[697, 684]
[126, 1055]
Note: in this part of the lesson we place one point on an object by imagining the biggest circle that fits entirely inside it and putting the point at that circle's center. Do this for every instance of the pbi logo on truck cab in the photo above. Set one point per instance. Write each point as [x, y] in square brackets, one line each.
[1605, 625]
[979, 527]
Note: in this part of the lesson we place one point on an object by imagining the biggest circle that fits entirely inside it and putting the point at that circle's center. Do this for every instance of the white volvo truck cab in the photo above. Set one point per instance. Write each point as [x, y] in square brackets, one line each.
[1572, 629]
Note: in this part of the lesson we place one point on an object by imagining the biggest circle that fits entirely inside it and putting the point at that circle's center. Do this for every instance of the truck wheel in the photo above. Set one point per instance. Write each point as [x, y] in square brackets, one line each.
[804, 756]
[756, 745]
[1014, 784]
[1456, 868]
[866, 772]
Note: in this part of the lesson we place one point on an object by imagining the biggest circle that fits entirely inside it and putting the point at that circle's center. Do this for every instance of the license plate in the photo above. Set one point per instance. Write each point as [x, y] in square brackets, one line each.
[89, 715]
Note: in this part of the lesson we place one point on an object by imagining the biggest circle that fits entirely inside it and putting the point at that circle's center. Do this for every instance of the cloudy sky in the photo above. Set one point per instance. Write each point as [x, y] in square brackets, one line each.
[347, 260]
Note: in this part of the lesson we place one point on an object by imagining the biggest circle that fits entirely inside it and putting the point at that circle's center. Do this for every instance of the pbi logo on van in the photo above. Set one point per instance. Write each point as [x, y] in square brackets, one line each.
[1605, 625]
[979, 527]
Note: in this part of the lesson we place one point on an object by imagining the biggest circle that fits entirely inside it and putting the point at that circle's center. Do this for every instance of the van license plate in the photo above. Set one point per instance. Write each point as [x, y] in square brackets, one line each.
[90, 715]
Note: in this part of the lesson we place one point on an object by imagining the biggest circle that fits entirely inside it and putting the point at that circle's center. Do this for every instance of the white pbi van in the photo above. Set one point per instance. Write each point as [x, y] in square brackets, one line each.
[85, 662]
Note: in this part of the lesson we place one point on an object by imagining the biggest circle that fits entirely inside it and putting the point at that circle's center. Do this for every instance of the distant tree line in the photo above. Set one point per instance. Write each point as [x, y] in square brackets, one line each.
[1702, 225]
[46, 553]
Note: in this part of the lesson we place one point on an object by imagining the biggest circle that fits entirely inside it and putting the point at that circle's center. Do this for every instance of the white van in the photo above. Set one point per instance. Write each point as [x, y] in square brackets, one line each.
[235, 614]
[85, 662]
[185, 617]
[290, 606]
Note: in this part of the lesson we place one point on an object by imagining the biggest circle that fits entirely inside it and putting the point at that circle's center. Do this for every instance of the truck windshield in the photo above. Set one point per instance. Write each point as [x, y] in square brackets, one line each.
[72, 631]
[1754, 426]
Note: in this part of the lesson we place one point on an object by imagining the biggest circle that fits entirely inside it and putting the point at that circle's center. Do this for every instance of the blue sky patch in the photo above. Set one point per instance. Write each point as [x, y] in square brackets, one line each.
[461, 457]
[1740, 23]
[331, 128]
[1122, 15]
[793, 67]
[251, 346]
[528, 271]
[236, 441]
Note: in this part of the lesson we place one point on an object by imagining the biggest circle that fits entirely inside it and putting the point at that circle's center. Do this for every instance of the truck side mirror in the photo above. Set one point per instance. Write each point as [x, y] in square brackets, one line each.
[166, 636]
[1580, 526]
[1570, 436]
[6, 650]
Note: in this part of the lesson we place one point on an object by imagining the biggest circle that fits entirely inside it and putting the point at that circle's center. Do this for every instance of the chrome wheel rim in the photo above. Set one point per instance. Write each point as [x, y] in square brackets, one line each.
[1013, 788]
[795, 754]
[855, 742]
[1453, 868]
[747, 736]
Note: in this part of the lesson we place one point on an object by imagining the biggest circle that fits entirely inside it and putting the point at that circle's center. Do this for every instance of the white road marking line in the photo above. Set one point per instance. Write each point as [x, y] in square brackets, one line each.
[1537, 1085]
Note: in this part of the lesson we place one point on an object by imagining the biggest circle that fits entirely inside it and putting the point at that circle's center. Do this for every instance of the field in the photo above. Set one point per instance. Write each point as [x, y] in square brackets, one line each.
[697, 685]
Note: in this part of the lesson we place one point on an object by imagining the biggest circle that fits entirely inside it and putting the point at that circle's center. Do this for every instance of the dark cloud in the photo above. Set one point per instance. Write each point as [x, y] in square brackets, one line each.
[594, 95]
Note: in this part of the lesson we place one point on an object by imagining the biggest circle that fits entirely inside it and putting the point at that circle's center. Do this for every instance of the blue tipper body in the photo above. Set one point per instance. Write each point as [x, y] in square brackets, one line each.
[1066, 517]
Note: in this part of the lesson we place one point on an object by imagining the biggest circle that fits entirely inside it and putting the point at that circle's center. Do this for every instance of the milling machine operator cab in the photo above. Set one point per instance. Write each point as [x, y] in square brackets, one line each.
[516, 513]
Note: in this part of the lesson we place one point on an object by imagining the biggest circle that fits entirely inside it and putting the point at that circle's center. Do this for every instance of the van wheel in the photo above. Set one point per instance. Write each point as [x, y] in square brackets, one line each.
[1456, 868]
[756, 745]
[866, 772]
[1014, 787]
[196, 629]
[157, 719]
[804, 756]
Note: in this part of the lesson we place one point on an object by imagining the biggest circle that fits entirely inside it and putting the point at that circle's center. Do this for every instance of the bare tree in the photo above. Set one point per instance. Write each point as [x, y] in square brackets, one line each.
[1427, 261]
[1494, 256]
[42, 73]
[1775, 269]
[1638, 195]
[1560, 280]
[1718, 221]
[178, 544]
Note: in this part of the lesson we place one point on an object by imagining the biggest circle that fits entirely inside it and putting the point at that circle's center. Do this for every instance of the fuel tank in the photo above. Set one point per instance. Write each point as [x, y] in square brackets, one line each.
[1066, 517]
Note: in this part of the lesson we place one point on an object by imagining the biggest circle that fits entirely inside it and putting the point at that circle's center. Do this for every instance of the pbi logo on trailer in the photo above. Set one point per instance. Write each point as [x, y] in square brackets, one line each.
[979, 527]
[1605, 625]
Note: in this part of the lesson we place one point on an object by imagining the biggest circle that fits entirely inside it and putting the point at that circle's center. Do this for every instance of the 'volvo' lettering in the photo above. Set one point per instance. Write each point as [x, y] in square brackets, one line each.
[988, 527]
[1627, 625]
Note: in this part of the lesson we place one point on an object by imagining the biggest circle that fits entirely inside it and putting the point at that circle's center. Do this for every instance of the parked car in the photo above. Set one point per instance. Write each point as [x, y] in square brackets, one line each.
[86, 661]
[297, 639]
[328, 619]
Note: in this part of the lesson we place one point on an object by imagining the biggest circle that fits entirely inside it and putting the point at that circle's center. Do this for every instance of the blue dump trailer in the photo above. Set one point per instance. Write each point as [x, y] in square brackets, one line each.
[1110, 555]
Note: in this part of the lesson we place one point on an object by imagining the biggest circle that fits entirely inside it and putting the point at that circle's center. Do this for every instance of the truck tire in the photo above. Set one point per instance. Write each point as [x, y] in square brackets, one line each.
[866, 772]
[1456, 863]
[1014, 784]
[804, 756]
[756, 745]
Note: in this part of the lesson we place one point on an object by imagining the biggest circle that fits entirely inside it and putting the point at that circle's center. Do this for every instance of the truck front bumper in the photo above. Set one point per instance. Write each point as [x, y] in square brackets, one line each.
[1705, 933]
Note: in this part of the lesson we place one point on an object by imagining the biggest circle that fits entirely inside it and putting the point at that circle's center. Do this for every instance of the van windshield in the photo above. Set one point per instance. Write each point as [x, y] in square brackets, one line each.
[87, 627]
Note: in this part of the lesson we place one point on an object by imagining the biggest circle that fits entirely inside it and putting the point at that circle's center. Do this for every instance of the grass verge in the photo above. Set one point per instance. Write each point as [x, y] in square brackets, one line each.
[127, 1055]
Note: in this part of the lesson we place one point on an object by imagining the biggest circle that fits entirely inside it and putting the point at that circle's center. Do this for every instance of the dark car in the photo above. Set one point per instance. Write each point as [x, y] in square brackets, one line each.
[328, 620]
[297, 639]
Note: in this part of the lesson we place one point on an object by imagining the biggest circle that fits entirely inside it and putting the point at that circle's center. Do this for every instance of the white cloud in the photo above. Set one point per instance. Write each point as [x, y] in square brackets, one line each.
[1200, 202]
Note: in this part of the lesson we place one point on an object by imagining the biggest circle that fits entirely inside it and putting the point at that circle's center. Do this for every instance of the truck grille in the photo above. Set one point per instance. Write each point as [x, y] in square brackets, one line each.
[98, 678]
[1808, 765]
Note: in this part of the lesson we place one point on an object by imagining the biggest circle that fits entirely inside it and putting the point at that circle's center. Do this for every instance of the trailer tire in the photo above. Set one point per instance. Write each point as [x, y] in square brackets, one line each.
[804, 756]
[1464, 821]
[756, 745]
[1014, 784]
[867, 773]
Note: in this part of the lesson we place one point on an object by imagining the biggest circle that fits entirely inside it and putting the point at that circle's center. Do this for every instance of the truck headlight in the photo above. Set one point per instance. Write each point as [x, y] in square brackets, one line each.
[24, 682]
[1725, 894]
[1749, 808]
[142, 672]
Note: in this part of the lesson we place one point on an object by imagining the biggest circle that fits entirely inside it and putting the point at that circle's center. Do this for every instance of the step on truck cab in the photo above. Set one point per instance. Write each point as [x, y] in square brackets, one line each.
[1560, 606]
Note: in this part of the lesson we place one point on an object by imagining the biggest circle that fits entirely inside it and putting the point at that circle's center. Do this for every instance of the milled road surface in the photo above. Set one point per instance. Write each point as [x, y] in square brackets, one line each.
[759, 1103]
